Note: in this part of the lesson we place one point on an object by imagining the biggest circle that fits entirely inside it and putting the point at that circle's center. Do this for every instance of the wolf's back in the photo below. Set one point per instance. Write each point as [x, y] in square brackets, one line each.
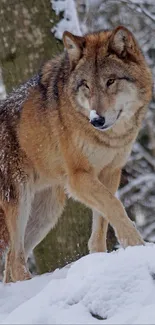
[13, 103]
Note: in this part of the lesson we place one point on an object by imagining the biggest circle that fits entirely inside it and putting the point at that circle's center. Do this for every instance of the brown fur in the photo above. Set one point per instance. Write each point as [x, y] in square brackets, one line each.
[54, 149]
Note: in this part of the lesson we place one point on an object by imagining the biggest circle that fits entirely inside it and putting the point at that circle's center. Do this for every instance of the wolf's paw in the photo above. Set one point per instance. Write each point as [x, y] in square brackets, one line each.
[20, 274]
[7, 276]
[130, 237]
[96, 244]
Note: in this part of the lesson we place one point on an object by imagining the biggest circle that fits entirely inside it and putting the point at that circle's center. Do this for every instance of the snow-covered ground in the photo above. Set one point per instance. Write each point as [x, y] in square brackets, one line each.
[115, 288]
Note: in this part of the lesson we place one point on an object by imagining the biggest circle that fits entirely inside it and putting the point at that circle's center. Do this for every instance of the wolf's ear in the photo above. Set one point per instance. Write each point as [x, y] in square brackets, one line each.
[122, 42]
[74, 46]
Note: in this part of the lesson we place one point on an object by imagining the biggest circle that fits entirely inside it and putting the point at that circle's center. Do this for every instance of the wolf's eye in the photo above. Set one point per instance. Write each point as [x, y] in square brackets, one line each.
[83, 83]
[86, 86]
[110, 82]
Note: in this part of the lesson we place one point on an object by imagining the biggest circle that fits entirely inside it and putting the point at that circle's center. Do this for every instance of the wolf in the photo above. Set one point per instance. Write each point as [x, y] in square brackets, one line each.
[68, 132]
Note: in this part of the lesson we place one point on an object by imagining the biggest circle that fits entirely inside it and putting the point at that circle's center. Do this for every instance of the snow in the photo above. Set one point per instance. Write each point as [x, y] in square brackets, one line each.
[70, 22]
[114, 288]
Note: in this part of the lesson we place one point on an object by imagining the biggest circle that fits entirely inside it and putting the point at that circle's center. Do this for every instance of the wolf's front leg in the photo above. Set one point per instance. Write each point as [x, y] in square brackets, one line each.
[90, 191]
[17, 214]
[97, 242]
[98, 238]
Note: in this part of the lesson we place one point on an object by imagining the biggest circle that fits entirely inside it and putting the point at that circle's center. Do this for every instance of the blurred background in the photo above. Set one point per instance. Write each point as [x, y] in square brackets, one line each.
[30, 33]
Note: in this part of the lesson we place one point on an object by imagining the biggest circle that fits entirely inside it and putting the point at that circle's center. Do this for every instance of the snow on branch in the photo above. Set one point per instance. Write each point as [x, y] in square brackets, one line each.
[147, 13]
[137, 183]
[70, 21]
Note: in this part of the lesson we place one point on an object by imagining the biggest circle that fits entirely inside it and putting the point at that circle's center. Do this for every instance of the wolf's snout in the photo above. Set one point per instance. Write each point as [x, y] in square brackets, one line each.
[98, 122]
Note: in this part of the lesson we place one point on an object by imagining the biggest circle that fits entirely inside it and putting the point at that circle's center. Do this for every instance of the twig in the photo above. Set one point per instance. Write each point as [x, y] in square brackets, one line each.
[147, 13]
[136, 183]
[146, 155]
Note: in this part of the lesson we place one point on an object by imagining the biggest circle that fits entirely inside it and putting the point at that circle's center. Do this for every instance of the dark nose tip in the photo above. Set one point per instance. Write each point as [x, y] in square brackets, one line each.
[98, 122]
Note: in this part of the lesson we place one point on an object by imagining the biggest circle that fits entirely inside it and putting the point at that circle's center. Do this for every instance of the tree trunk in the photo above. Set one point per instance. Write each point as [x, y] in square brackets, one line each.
[68, 241]
[26, 40]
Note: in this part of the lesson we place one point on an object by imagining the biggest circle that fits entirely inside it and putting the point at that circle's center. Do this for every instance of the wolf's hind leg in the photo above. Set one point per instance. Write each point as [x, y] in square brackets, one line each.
[47, 207]
[17, 214]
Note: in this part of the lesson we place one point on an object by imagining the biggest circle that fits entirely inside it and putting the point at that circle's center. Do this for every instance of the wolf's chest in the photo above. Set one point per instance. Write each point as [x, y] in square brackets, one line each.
[101, 156]
[98, 156]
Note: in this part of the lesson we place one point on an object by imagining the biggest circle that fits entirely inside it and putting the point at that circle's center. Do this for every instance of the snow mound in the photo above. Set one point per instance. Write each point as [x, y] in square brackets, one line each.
[114, 288]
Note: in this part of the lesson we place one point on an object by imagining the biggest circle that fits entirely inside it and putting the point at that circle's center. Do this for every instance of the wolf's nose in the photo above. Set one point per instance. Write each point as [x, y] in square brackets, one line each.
[98, 122]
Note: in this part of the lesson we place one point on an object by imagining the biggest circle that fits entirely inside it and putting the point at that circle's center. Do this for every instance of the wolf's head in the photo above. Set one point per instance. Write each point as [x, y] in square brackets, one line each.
[108, 74]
